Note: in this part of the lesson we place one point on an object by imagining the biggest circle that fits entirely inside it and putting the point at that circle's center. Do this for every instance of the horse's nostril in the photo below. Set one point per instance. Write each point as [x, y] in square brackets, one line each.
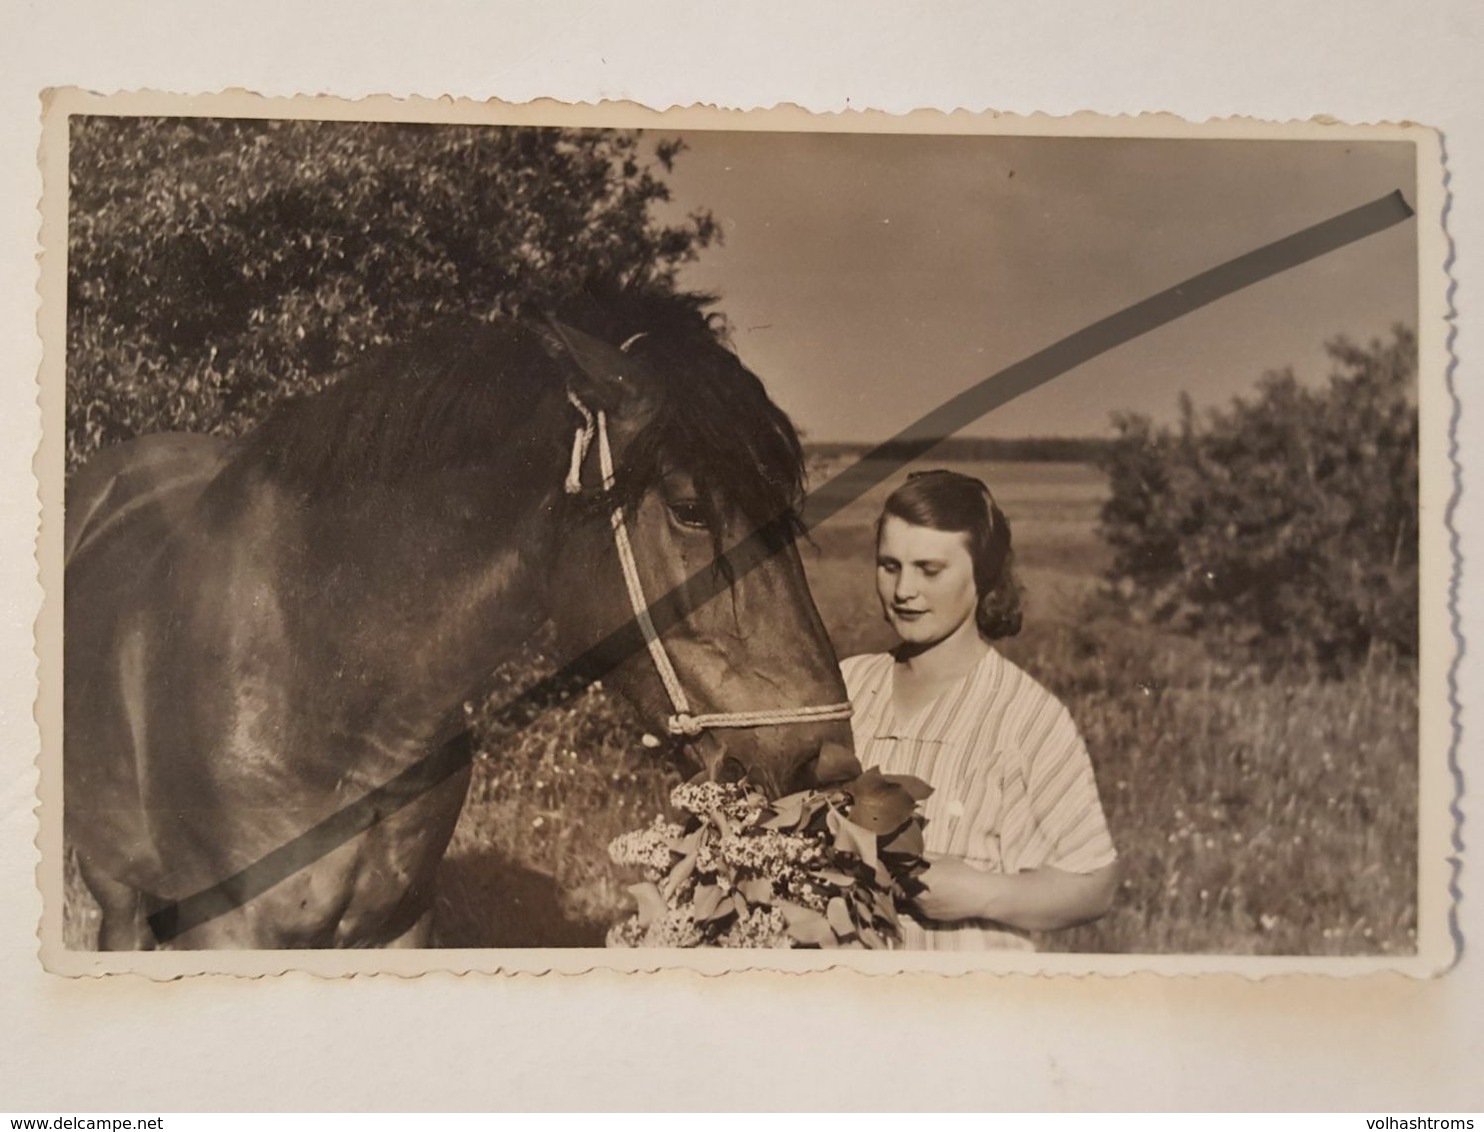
[835, 762]
[805, 774]
[729, 769]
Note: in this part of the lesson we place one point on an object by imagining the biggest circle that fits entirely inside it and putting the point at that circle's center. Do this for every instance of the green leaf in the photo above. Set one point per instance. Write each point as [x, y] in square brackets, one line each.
[680, 872]
[879, 805]
[908, 841]
[885, 907]
[758, 890]
[851, 838]
[883, 876]
[840, 920]
[705, 900]
[916, 788]
[787, 813]
[651, 904]
[724, 907]
[806, 925]
[834, 877]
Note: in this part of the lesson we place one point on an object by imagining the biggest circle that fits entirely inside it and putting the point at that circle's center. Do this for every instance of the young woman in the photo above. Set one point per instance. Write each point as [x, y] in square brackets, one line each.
[1015, 831]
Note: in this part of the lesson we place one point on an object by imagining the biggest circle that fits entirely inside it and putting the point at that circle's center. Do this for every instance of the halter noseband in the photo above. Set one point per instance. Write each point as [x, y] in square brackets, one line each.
[683, 721]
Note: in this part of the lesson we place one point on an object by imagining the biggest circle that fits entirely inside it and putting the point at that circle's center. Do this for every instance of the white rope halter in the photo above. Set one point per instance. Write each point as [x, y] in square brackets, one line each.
[683, 721]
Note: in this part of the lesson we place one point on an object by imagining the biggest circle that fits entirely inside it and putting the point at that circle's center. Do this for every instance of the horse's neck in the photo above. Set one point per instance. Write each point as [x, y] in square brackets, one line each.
[423, 589]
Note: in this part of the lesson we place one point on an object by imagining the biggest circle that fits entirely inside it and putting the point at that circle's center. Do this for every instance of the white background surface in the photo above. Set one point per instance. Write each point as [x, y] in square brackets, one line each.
[838, 1040]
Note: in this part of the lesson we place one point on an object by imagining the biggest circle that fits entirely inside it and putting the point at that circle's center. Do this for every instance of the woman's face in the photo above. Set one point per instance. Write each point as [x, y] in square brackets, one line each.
[925, 580]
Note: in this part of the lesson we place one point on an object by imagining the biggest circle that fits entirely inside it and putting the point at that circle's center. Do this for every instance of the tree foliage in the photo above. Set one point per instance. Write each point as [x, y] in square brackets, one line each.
[1286, 523]
[219, 265]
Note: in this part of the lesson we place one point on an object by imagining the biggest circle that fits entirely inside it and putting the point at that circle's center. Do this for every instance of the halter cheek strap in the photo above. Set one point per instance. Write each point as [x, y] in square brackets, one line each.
[682, 721]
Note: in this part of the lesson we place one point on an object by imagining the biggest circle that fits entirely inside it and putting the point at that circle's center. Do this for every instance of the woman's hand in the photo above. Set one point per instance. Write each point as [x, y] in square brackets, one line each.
[956, 890]
[1042, 899]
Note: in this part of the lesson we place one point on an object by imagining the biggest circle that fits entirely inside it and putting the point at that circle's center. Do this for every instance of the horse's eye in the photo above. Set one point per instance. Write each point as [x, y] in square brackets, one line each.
[689, 513]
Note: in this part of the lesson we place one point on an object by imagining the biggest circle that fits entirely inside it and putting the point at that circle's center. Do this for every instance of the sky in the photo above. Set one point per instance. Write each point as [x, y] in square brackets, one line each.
[870, 277]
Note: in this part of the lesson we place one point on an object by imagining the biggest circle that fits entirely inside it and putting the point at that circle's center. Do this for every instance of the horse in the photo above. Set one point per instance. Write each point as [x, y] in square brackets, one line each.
[263, 631]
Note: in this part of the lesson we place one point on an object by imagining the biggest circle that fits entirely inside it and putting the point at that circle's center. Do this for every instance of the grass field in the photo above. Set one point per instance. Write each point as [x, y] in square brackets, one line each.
[1253, 815]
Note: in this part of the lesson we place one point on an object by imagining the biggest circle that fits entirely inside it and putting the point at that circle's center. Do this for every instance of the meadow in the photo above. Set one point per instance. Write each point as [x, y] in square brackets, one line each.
[1254, 813]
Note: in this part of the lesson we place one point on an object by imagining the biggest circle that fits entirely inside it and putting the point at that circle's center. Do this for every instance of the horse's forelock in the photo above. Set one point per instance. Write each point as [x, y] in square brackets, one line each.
[714, 419]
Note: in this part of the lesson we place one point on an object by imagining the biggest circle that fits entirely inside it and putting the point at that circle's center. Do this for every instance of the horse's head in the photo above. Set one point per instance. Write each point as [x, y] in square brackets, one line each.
[705, 473]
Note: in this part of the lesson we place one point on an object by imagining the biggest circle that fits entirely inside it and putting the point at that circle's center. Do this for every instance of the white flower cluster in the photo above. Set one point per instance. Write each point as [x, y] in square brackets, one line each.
[676, 928]
[739, 871]
[806, 890]
[768, 853]
[647, 848]
[727, 798]
[761, 927]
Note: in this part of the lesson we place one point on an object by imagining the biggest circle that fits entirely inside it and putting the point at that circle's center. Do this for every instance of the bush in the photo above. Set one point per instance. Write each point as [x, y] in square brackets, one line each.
[1285, 525]
[217, 266]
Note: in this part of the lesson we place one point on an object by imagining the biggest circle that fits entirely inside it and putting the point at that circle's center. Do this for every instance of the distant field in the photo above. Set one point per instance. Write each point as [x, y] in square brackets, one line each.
[1251, 816]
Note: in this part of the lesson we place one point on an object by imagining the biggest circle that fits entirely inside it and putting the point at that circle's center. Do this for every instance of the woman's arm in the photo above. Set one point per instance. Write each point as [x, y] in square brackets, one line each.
[1041, 899]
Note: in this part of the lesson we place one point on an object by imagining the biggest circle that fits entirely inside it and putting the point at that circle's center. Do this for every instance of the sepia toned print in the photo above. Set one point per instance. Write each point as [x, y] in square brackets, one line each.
[431, 493]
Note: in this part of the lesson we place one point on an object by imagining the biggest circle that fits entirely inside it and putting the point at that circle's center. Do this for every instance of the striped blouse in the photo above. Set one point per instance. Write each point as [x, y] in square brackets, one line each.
[1013, 787]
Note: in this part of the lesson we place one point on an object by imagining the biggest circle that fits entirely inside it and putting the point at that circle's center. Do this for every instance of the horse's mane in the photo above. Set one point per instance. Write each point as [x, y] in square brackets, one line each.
[470, 393]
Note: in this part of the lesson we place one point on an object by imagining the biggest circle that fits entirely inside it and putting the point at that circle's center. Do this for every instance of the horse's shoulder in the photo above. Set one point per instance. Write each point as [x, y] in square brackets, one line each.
[121, 477]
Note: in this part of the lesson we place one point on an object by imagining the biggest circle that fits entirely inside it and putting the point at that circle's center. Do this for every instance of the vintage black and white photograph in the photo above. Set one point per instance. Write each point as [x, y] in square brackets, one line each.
[642, 537]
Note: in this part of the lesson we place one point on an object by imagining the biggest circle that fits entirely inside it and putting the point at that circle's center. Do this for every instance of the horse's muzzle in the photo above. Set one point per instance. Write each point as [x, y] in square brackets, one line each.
[828, 762]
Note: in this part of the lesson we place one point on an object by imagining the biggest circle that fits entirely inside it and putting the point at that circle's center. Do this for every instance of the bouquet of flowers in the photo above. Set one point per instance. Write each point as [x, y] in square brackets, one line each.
[821, 868]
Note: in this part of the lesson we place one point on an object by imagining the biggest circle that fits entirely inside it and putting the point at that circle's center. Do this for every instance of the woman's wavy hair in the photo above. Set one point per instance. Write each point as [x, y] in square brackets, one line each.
[950, 501]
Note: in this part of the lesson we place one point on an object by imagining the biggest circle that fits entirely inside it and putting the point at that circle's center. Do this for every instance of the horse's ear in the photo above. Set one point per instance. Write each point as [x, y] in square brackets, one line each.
[600, 375]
